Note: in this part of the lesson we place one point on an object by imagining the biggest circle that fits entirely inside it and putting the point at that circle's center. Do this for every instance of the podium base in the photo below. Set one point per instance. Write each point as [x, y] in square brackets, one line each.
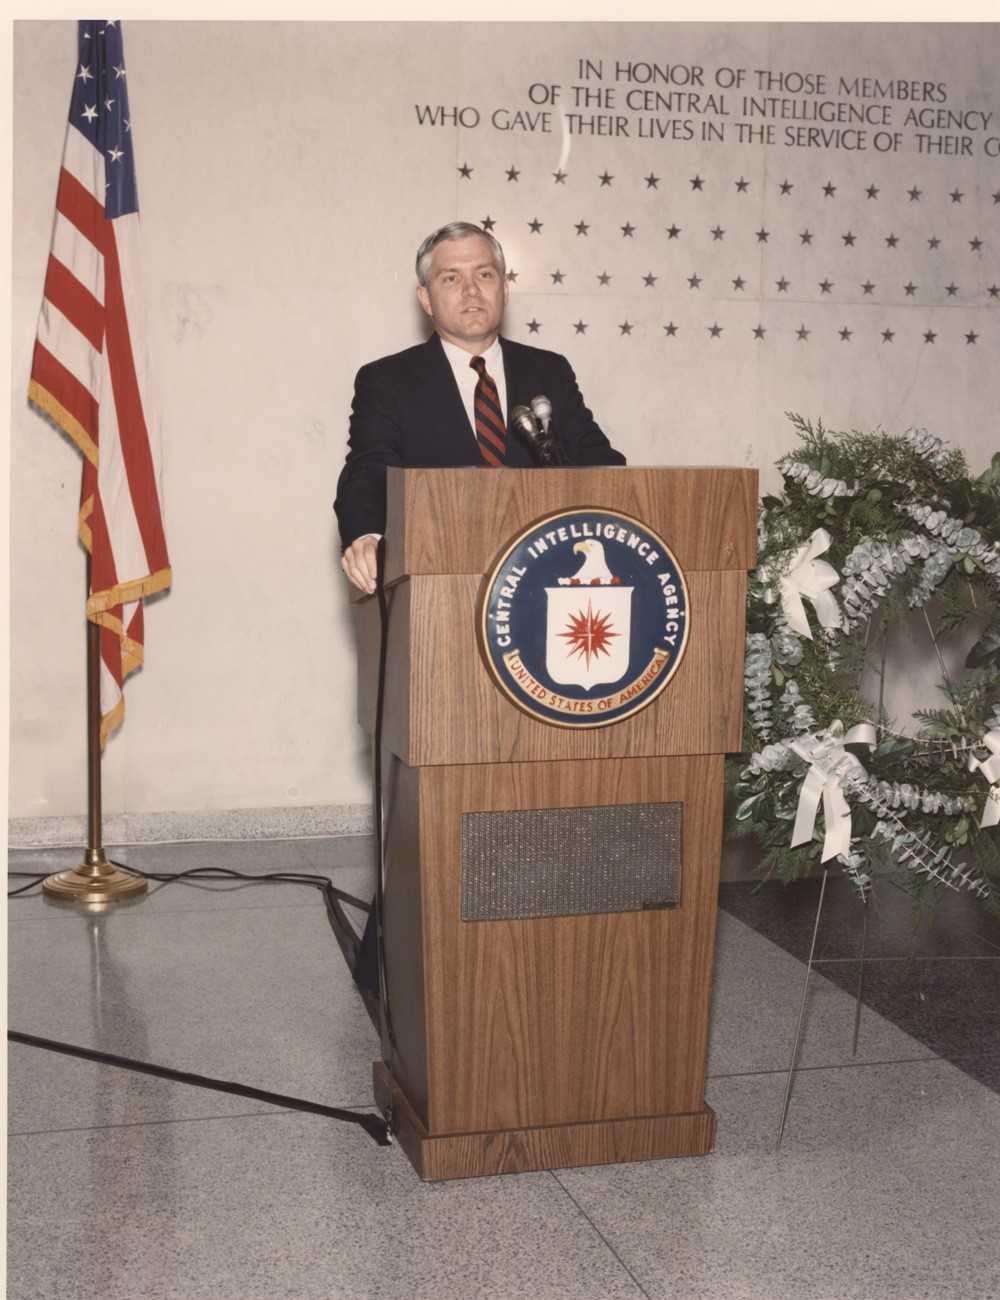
[552, 1146]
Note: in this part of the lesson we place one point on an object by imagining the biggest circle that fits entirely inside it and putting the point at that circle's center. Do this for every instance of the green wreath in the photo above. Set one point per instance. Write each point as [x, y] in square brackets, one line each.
[870, 527]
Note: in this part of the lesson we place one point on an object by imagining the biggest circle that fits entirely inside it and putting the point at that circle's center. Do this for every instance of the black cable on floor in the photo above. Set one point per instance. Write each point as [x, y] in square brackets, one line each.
[333, 897]
[373, 1125]
[323, 883]
[351, 944]
[35, 879]
[343, 931]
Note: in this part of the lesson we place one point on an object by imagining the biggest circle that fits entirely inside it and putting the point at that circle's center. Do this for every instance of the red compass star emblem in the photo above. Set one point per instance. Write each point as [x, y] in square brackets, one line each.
[589, 634]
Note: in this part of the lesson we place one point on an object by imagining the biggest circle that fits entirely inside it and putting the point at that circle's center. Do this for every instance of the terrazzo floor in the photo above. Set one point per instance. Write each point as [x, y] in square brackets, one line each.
[126, 1187]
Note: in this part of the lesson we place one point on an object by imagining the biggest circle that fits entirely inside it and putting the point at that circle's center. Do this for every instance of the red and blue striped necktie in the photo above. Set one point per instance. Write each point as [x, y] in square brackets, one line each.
[491, 428]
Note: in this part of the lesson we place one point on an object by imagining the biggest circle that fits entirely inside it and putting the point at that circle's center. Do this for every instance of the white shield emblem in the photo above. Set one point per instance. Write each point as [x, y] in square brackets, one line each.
[587, 634]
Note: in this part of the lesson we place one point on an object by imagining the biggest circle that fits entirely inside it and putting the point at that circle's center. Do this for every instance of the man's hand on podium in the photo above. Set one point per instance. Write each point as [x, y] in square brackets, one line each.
[360, 562]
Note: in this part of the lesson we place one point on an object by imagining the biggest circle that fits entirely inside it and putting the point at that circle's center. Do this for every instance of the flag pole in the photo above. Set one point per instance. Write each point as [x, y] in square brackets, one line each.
[95, 880]
[86, 328]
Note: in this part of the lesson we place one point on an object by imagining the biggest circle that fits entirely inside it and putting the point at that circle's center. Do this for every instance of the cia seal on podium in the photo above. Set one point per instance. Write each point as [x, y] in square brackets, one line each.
[583, 617]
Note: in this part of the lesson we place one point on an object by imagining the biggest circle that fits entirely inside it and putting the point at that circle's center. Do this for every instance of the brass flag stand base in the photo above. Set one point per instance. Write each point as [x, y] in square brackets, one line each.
[95, 880]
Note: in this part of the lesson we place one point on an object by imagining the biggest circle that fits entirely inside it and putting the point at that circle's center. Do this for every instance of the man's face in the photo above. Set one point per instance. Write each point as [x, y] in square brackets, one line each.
[465, 293]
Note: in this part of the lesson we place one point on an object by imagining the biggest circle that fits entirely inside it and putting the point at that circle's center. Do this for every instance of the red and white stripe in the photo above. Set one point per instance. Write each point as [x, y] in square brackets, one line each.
[89, 375]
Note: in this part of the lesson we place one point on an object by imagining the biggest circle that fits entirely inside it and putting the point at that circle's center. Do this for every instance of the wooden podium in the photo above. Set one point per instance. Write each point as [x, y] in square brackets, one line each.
[556, 1040]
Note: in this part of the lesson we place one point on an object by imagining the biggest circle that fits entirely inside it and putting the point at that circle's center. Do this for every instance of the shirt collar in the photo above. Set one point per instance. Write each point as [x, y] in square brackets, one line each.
[459, 358]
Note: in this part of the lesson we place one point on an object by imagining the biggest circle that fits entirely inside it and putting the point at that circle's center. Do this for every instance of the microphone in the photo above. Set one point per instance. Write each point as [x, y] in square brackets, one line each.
[542, 408]
[523, 420]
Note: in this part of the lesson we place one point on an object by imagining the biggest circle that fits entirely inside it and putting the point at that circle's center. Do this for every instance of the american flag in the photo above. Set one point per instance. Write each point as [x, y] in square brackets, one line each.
[89, 373]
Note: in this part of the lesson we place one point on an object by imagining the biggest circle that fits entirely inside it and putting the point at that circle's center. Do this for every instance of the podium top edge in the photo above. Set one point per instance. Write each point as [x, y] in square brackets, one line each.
[509, 471]
[456, 520]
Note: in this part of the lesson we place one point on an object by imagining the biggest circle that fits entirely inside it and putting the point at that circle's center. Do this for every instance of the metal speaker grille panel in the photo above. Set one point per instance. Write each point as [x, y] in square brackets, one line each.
[570, 861]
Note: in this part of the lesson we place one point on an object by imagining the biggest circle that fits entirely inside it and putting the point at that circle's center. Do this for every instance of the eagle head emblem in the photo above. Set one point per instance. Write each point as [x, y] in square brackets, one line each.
[594, 571]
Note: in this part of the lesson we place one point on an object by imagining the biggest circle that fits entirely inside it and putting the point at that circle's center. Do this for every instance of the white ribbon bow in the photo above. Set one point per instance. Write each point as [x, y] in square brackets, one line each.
[990, 768]
[829, 766]
[809, 576]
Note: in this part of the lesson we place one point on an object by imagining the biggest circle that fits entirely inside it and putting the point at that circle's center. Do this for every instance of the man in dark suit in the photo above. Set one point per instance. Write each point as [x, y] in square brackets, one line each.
[447, 402]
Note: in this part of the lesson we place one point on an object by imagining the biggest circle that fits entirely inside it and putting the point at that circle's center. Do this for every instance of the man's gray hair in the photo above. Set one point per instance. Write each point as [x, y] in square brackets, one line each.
[455, 230]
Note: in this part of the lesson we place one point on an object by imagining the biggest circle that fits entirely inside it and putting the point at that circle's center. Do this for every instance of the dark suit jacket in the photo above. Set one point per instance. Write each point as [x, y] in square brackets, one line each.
[407, 410]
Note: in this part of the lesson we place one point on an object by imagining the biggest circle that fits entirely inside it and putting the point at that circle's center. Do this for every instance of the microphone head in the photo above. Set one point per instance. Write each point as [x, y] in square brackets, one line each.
[525, 421]
[542, 408]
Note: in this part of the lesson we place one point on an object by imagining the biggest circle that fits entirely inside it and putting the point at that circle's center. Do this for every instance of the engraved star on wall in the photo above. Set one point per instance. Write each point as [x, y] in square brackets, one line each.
[777, 239]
